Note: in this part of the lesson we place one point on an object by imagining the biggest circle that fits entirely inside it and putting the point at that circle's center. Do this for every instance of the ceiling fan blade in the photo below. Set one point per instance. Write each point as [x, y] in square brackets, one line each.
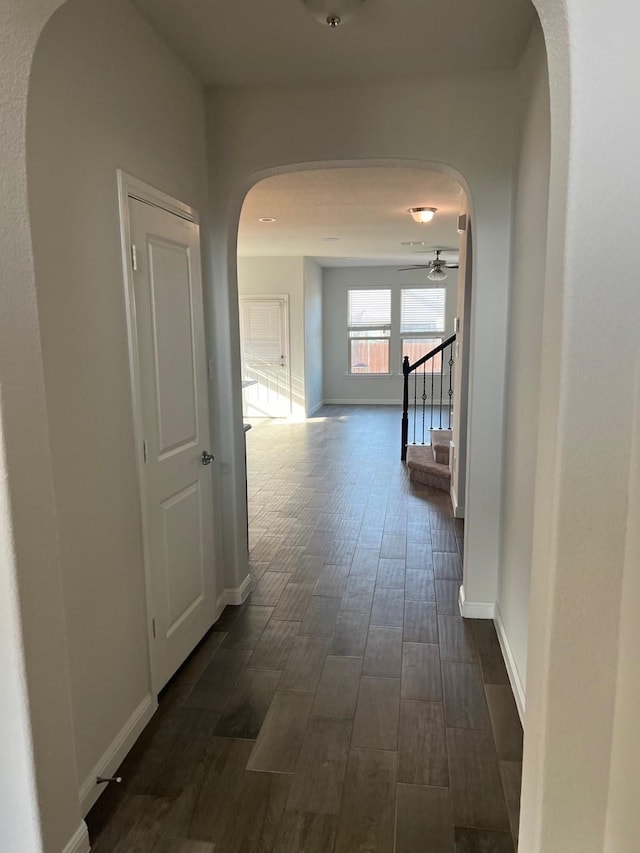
[452, 266]
[415, 267]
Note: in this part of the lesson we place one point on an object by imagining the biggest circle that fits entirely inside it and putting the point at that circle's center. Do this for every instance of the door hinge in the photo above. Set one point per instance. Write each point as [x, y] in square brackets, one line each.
[153, 628]
[134, 257]
[144, 450]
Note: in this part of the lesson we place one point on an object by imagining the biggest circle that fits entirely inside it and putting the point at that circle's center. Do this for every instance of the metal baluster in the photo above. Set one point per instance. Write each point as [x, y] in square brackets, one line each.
[432, 395]
[441, 378]
[415, 403]
[450, 383]
[424, 397]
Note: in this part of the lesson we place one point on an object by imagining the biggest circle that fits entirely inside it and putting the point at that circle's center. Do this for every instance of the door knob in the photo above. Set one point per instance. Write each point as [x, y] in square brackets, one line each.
[207, 458]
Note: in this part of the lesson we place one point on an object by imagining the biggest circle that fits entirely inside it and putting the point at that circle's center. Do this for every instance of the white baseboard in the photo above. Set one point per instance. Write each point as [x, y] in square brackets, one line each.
[512, 670]
[239, 594]
[395, 403]
[116, 752]
[475, 609]
[312, 412]
[458, 511]
[80, 841]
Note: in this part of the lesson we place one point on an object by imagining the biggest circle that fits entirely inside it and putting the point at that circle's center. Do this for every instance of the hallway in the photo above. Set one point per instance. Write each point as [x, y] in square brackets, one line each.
[346, 706]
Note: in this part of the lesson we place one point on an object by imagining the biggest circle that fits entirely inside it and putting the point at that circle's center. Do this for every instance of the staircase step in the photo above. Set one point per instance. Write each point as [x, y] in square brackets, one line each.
[441, 442]
[423, 468]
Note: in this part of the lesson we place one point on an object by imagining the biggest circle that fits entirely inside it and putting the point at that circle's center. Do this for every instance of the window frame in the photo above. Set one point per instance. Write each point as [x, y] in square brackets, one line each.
[437, 336]
[378, 327]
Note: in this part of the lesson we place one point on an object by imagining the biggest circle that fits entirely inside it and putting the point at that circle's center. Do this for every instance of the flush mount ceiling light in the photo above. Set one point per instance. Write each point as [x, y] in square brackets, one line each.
[422, 214]
[266, 219]
[332, 13]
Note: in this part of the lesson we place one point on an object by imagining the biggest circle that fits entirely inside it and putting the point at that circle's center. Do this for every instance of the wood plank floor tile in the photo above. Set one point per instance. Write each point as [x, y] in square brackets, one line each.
[136, 825]
[383, 652]
[248, 628]
[476, 789]
[337, 691]
[393, 546]
[305, 832]
[370, 537]
[456, 640]
[396, 525]
[423, 820]
[272, 652]
[464, 700]
[278, 744]
[180, 845]
[447, 597]
[388, 607]
[266, 548]
[419, 585]
[420, 622]
[422, 749]
[390, 573]
[238, 809]
[309, 569]
[505, 722]
[482, 841]
[320, 617]
[319, 774]
[217, 682]
[358, 594]
[489, 652]
[294, 602]
[350, 635]
[332, 581]
[447, 566]
[419, 555]
[341, 551]
[366, 821]
[270, 588]
[248, 704]
[365, 562]
[377, 714]
[287, 557]
[444, 540]
[419, 532]
[421, 677]
[304, 667]
[511, 774]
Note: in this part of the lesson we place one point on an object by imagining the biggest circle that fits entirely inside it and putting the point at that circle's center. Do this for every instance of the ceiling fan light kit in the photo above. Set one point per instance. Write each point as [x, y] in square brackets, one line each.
[422, 214]
[436, 274]
[332, 13]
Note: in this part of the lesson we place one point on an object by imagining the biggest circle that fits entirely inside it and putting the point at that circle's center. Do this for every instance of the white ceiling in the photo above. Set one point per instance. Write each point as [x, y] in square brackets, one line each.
[262, 42]
[366, 208]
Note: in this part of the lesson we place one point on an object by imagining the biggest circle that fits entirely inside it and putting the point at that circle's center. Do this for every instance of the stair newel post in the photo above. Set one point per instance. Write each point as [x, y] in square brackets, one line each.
[405, 408]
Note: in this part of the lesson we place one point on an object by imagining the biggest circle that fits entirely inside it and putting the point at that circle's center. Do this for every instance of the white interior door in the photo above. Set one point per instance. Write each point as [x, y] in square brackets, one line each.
[177, 487]
[265, 356]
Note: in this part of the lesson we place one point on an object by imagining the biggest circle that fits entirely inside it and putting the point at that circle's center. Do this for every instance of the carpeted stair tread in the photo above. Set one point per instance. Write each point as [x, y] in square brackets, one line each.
[424, 469]
[440, 441]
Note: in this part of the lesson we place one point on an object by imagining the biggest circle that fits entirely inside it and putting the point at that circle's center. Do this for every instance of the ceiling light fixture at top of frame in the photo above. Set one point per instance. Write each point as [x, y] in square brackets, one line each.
[332, 13]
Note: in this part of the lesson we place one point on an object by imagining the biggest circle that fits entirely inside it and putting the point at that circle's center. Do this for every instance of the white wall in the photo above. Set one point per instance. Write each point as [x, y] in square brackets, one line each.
[524, 356]
[339, 387]
[313, 328]
[281, 277]
[105, 93]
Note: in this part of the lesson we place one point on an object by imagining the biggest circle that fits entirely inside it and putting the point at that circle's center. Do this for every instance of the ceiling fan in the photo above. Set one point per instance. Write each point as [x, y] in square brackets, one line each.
[436, 267]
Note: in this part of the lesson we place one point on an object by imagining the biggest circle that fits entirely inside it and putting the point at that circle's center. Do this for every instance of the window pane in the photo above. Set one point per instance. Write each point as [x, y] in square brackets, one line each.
[369, 308]
[369, 333]
[422, 310]
[418, 347]
[368, 356]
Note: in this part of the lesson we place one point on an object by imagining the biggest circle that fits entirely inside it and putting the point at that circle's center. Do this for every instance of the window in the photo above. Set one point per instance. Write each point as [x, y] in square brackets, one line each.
[422, 322]
[369, 328]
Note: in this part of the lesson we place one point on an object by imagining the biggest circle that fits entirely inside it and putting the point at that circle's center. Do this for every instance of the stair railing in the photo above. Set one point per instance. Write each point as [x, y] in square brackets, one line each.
[432, 401]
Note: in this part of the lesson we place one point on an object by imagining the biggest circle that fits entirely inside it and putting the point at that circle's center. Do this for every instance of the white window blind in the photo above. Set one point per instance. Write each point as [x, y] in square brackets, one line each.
[422, 310]
[369, 309]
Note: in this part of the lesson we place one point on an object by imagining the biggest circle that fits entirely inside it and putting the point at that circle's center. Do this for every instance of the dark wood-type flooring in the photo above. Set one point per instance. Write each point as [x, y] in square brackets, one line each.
[346, 706]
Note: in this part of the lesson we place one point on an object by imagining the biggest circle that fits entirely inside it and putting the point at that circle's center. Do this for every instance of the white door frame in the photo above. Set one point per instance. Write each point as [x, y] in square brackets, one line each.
[130, 187]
